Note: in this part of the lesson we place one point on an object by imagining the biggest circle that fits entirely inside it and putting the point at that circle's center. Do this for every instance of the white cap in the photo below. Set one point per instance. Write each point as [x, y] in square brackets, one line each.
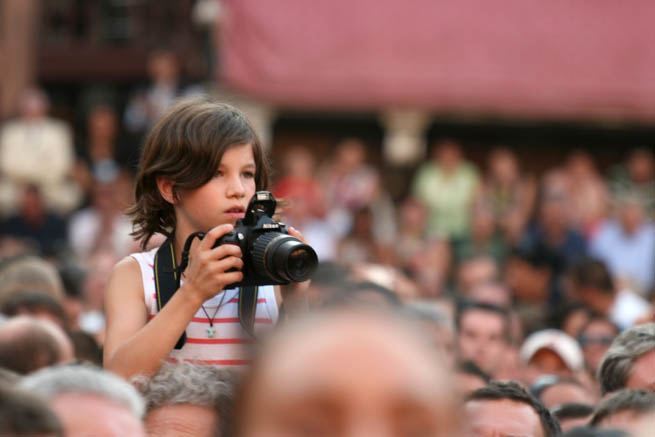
[557, 341]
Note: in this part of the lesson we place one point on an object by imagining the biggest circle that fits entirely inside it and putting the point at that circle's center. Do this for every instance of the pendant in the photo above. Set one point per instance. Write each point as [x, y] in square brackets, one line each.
[211, 331]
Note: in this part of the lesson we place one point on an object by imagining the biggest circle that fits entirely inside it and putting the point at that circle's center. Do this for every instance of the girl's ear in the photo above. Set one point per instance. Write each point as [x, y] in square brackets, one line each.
[165, 186]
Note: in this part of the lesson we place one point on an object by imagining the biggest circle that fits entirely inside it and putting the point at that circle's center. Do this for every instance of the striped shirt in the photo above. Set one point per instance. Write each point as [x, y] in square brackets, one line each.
[228, 346]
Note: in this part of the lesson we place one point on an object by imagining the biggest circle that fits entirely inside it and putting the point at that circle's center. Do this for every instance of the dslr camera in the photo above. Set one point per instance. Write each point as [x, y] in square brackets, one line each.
[270, 255]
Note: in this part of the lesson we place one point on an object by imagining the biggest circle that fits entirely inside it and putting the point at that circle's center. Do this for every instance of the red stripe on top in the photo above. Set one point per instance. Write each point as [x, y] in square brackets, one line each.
[219, 340]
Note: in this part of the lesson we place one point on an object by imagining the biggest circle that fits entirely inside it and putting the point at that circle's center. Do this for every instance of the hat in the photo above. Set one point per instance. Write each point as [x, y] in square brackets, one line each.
[557, 341]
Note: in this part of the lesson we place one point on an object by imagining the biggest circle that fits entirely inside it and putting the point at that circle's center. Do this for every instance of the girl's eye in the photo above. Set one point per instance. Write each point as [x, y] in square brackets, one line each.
[249, 174]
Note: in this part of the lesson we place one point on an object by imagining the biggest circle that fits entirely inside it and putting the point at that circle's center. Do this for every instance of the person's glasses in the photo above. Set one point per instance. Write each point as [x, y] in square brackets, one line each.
[587, 340]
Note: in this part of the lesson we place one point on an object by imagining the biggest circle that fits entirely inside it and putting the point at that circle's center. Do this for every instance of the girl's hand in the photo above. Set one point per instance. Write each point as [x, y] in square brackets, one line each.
[210, 270]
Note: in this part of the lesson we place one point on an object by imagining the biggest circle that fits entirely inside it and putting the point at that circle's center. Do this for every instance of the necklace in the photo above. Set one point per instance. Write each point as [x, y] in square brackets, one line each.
[211, 331]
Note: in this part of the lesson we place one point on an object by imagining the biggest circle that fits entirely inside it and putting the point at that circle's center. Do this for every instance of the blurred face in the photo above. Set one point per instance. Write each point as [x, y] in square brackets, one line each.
[482, 339]
[503, 166]
[641, 165]
[546, 362]
[631, 217]
[102, 123]
[448, 155]
[476, 271]
[595, 340]
[349, 380]
[642, 374]
[89, 415]
[502, 418]
[563, 393]
[626, 420]
[182, 420]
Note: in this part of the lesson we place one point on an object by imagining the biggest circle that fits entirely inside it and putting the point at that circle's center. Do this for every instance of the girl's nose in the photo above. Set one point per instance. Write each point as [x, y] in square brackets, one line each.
[236, 187]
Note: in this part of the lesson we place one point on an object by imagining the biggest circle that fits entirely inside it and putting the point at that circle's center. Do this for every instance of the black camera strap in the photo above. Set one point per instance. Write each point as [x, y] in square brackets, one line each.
[167, 282]
[167, 279]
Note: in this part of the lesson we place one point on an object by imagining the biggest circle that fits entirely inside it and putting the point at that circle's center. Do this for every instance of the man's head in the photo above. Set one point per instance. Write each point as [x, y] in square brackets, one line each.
[625, 409]
[344, 373]
[550, 352]
[482, 334]
[188, 399]
[474, 271]
[595, 338]
[553, 391]
[28, 344]
[630, 360]
[572, 415]
[89, 401]
[23, 414]
[505, 408]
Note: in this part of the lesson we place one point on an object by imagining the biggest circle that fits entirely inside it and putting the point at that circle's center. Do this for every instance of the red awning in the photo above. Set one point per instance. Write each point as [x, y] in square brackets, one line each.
[544, 59]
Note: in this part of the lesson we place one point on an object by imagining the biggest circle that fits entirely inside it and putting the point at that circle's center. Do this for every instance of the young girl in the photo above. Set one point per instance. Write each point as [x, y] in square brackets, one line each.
[200, 166]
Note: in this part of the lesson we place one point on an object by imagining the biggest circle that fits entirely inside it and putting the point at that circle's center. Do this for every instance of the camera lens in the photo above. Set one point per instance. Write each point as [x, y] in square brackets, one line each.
[283, 258]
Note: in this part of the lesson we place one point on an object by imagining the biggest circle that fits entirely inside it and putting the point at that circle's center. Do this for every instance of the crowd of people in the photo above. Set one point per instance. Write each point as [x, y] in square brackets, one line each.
[486, 301]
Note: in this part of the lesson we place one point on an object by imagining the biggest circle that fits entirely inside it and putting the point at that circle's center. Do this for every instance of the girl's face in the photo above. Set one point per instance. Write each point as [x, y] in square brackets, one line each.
[224, 198]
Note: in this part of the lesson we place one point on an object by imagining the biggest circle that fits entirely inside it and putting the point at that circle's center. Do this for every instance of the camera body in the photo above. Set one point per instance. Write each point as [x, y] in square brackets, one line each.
[270, 255]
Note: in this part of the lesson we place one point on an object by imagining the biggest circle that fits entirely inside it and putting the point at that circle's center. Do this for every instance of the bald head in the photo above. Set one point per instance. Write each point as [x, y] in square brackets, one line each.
[347, 372]
[28, 344]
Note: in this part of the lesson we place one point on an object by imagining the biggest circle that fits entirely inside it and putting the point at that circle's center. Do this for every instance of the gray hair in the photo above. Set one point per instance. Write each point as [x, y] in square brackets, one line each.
[637, 401]
[84, 379]
[428, 312]
[189, 383]
[615, 367]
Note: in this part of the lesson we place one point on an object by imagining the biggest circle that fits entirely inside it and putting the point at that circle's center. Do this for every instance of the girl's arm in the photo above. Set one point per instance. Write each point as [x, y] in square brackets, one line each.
[134, 345]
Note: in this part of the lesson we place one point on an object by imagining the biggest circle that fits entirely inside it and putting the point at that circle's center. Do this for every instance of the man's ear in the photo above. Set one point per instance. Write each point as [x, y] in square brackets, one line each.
[165, 186]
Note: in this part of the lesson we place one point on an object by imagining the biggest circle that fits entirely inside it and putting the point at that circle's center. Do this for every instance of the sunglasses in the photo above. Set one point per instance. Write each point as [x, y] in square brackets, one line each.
[605, 341]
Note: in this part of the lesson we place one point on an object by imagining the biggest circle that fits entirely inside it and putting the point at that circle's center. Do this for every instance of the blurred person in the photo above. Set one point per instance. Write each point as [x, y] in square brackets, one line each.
[361, 293]
[551, 352]
[86, 348]
[360, 245]
[187, 399]
[630, 360]
[436, 324]
[350, 183]
[636, 175]
[572, 415]
[552, 231]
[103, 224]
[89, 401]
[23, 414]
[36, 304]
[346, 373]
[447, 185]
[470, 377]
[471, 272]
[554, 391]
[626, 409]
[595, 338]
[483, 238]
[508, 195]
[28, 344]
[591, 283]
[36, 149]
[587, 191]
[491, 292]
[572, 317]
[482, 335]
[506, 408]
[304, 202]
[99, 155]
[627, 245]
[425, 259]
[388, 277]
[149, 103]
[29, 272]
[530, 276]
[41, 229]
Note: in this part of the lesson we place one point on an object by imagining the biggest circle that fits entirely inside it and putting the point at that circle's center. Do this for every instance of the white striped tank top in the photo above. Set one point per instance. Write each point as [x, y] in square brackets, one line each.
[229, 344]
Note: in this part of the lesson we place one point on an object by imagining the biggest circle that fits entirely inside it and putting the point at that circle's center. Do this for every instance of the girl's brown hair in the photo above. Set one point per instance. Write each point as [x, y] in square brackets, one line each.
[186, 146]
